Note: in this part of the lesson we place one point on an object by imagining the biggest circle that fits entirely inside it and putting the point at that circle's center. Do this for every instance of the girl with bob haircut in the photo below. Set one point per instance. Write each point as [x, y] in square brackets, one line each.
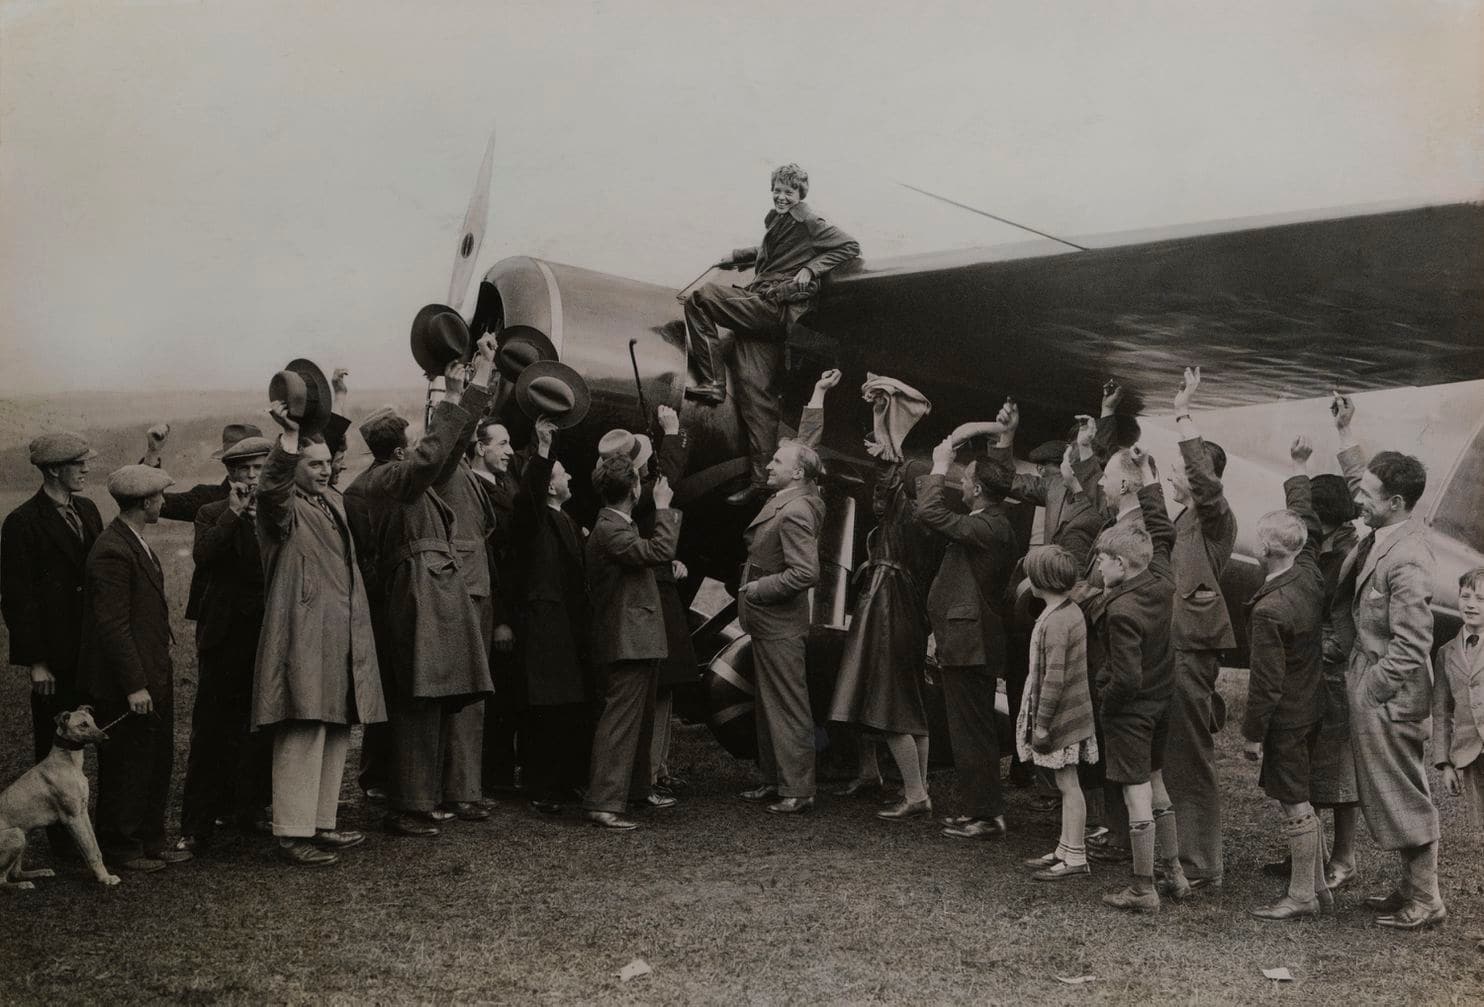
[1055, 726]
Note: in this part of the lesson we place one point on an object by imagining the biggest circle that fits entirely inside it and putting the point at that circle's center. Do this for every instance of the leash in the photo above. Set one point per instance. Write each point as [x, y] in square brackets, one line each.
[121, 716]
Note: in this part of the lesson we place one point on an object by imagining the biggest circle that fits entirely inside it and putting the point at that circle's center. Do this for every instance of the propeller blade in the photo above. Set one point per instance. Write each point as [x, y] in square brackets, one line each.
[471, 235]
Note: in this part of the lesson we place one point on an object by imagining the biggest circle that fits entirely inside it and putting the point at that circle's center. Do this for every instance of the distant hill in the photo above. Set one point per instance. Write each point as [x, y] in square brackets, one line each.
[114, 423]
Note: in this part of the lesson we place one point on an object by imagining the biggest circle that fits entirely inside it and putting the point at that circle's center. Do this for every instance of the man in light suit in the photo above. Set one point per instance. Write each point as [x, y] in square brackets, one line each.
[1388, 577]
[773, 607]
[628, 638]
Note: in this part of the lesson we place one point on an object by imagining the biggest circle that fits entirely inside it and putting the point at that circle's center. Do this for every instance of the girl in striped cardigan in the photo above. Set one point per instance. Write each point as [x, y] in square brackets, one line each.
[1055, 726]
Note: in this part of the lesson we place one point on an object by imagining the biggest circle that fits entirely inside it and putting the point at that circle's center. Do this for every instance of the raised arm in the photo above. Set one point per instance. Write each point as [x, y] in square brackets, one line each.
[1298, 496]
[628, 548]
[811, 423]
[215, 534]
[933, 510]
[1352, 455]
[276, 483]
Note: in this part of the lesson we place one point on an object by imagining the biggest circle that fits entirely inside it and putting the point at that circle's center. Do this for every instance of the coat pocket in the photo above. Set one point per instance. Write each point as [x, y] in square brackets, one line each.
[308, 587]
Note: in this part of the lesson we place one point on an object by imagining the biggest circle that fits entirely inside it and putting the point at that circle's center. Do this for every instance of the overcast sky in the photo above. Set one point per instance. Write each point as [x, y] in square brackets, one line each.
[195, 192]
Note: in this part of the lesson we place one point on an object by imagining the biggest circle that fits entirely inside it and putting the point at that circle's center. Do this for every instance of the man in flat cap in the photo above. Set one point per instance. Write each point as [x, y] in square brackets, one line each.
[227, 772]
[44, 544]
[125, 667]
[316, 672]
[435, 661]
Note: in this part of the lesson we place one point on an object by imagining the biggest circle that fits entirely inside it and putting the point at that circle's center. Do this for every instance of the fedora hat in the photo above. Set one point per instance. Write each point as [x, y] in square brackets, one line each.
[234, 432]
[637, 448]
[552, 389]
[520, 346]
[439, 337]
[303, 387]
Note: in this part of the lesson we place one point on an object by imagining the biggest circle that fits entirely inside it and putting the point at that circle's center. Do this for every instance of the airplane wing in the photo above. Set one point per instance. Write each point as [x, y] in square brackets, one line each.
[1272, 309]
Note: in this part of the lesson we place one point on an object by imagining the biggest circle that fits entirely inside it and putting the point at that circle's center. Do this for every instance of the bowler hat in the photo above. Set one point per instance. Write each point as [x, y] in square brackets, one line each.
[234, 432]
[635, 447]
[60, 448]
[248, 447]
[520, 346]
[439, 337]
[303, 387]
[552, 389]
[135, 482]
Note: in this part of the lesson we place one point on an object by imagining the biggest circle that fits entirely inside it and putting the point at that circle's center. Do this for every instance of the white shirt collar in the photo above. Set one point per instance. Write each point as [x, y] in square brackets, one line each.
[627, 517]
[1382, 534]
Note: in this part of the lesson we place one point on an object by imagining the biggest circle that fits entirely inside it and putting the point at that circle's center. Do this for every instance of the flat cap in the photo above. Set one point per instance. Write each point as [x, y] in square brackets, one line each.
[247, 447]
[60, 448]
[1048, 452]
[134, 482]
[383, 417]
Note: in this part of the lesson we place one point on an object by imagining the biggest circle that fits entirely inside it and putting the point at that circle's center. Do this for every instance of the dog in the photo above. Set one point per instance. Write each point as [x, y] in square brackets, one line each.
[51, 792]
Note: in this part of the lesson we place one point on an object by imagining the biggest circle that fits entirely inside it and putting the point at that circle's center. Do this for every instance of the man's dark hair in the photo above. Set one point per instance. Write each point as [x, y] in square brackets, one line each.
[385, 436]
[1217, 454]
[1332, 500]
[994, 478]
[614, 478]
[1401, 475]
[485, 422]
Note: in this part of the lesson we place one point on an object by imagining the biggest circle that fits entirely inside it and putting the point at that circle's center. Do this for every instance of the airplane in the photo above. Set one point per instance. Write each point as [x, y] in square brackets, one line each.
[1278, 312]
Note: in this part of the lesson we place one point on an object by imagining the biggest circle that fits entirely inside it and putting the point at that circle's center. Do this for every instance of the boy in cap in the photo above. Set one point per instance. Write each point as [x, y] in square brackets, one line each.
[798, 248]
[44, 544]
[125, 667]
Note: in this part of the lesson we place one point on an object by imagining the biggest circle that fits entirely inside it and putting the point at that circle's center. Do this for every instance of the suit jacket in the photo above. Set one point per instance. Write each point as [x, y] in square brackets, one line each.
[430, 629]
[316, 654]
[229, 566]
[549, 584]
[966, 602]
[1205, 533]
[41, 582]
[1285, 629]
[782, 565]
[1458, 704]
[184, 506]
[1072, 521]
[126, 634]
[1131, 622]
[627, 623]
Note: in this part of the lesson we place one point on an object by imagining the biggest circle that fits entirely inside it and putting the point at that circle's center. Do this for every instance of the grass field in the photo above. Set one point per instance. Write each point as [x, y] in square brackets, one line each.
[728, 905]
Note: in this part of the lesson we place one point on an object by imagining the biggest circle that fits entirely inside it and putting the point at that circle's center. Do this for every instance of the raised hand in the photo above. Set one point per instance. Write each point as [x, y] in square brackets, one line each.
[1342, 408]
[829, 379]
[279, 410]
[455, 376]
[1301, 450]
[1187, 390]
[1087, 428]
[944, 452]
[669, 420]
[1112, 396]
[545, 428]
[155, 435]
[1148, 473]
[239, 497]
[663, 494]
[337, 382]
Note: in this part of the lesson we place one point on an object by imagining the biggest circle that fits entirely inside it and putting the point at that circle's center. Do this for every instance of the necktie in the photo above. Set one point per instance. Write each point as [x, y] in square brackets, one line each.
[72, 521]
[1362, 553]
[1472, 641]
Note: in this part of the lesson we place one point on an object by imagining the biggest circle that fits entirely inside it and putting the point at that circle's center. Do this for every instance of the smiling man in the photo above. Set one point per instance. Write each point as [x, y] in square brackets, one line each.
[797, 249]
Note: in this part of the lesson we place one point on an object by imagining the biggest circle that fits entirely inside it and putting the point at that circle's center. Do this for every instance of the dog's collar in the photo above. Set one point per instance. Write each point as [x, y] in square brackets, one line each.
[69, 744]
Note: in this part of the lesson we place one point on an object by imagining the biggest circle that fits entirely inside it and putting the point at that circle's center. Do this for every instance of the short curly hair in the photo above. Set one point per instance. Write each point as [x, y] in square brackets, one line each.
[614, 478]
[1400, 475]
[791, 174]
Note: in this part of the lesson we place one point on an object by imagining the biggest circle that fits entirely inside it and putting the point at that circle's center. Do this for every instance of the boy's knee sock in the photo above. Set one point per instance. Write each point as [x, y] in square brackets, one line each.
[1141, 842]
[1303, 840]
[1321, 887]
[1167, 836]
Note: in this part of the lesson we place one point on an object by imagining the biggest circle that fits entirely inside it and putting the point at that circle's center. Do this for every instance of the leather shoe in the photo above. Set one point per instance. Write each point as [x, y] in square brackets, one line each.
[792, 806]
[467, 811]
[437, 815]
[1045, 805]
[757, 795]
[1132, 900]
[653, 800]
[1042, 862]
[338, 839]
[745, 496]
[608, 820]
[143, 865]
[1061, 871]
[709, 395]
[977, 828]
[1337, 876]
[674, 784]
[857, 786]
[1392, 903]
[173, 855]
[547, 807]
[1196, 884]
[411, 826]
[907, 809]
[955, 819]
[303, 853]
[1413, 916]
[1286, 908]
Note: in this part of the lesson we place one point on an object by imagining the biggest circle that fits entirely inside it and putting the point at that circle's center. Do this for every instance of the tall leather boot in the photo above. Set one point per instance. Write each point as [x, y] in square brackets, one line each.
[1300, 899]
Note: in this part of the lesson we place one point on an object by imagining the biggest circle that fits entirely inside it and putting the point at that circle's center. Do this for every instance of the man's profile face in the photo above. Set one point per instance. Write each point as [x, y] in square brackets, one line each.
[783, 469]
[966, 484]
[1376, 508]
[152, 507]
[73, 476]
[1112, 569]
[1112, 482]
[494, 448]
[1179, 481]
[785, 196]
[312, 474]
[337, 466]
[560, 488]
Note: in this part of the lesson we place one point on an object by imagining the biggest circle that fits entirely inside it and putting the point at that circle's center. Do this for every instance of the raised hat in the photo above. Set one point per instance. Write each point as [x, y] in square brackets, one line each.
[133, 482]
[60, 448]
[518, 347]
[306, 391]
[234, 432]
[636, 447]
[247, 447]
[439, 337]
[552, 389]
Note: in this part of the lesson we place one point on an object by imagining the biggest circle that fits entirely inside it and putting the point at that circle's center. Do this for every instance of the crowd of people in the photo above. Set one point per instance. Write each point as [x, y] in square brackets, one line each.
[447, 601]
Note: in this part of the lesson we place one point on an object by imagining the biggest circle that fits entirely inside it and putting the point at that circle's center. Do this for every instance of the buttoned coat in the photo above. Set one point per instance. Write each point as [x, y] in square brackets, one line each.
[41, 582]
[1285, 628]
[627, 623]
[316, 655]
[782, 565]
[966, 601]
[430, 627]
[229, 566]
[549, 583]
[1458, 704]
[184, 506]
[126, 622]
